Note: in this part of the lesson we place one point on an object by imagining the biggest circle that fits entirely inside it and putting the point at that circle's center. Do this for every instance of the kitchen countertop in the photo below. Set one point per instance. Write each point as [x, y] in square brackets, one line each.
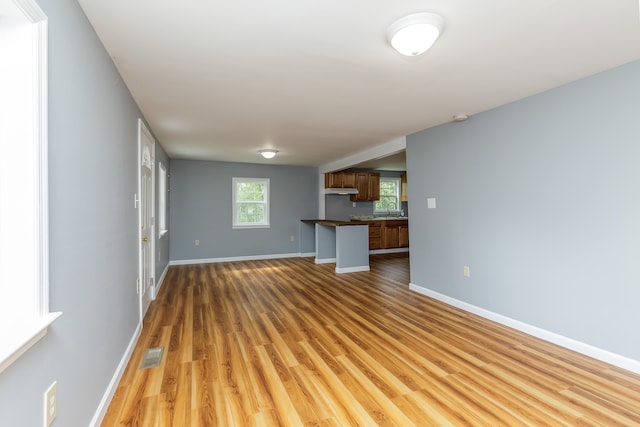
[381, 218]
[332, 222]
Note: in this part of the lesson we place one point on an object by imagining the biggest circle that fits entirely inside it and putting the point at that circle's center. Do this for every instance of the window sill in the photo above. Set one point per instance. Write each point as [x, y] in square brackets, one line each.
[240, 227]
[19, 339]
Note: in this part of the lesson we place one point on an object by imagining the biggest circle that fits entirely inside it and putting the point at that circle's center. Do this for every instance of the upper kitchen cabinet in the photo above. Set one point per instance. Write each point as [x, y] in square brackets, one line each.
[340, 180]
[404, 197]
[368, 185]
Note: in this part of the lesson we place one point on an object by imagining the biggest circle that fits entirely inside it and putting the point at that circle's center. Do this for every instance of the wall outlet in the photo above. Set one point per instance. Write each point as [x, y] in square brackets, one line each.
[50, 404]
[466, 271]
[292, 238]
[197, 242]
[354, 204]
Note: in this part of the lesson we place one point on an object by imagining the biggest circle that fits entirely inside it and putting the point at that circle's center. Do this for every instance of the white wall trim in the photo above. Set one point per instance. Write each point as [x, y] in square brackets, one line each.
[113, 384]
[325, 261]
[30, 124]
[388, 251]
[237, 258]
[352, 269]
[156, 288]
[307, 254]
[580, 347]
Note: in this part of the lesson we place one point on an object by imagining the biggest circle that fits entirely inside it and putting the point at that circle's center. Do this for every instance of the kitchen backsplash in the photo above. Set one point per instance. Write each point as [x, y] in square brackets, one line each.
[341, 208]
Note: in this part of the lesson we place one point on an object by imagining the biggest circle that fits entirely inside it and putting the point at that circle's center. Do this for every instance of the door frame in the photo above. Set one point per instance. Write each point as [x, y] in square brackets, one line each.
[143, 130]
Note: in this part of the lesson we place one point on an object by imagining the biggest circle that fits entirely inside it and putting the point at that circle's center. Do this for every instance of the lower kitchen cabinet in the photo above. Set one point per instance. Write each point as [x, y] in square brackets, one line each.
[403, 236]
[391, 237]
[375, 235]
[388, 234]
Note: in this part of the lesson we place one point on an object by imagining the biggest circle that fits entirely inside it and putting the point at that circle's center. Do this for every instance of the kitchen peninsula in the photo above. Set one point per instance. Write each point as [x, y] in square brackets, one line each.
[343, 242]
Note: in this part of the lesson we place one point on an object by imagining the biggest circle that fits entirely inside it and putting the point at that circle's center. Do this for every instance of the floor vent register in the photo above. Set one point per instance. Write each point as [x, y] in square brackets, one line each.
[152, 358]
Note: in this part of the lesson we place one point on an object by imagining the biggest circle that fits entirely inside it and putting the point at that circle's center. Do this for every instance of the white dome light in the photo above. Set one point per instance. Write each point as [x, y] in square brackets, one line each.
[268, 153]
[414, 34]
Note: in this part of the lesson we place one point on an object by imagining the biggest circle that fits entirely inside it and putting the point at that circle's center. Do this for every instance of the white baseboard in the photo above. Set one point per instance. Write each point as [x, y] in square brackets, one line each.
[307, 254]
[580, 347]
[325, 261]
[388, 251]
[160, 281]
[111, 389]
[237, 258]
[352, 269]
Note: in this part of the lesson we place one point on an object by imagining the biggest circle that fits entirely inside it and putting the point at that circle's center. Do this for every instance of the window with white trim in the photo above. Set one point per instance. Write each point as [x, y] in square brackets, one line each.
[250, 202]
[24, 269]
[389, 195]
[162, 200]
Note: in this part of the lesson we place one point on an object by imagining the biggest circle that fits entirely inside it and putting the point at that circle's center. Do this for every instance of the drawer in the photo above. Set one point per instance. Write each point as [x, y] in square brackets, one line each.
[375, 243]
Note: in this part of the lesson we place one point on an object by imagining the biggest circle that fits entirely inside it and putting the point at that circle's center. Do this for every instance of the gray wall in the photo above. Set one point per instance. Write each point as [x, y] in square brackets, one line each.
[93, 230]
[340, 207]
[202, 210]
[540, 199]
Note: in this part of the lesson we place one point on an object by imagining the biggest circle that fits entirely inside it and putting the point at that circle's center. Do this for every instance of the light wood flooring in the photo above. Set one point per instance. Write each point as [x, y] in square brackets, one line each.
[291, 343]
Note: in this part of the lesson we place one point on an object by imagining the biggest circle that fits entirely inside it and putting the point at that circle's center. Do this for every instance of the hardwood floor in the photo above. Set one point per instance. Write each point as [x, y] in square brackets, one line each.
[288, 342]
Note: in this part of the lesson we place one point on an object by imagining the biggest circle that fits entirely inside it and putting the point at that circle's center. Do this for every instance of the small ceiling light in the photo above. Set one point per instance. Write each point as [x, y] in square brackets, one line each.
[268, 153]
[460, 117]
[414, 34]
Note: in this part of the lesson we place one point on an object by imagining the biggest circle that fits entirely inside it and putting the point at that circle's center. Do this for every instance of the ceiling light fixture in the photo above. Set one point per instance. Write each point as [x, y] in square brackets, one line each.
[414, 34]
[460, 117]
[268, 153]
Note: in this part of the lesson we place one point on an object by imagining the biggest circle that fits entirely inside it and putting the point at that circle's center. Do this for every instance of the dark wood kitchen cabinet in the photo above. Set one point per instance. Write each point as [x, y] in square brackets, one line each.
[404, 194]
[395, 234]
[375, 235]
[368, 185]
[340, 180]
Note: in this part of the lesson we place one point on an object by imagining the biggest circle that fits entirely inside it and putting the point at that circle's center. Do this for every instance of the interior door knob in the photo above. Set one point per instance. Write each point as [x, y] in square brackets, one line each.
[145, 240]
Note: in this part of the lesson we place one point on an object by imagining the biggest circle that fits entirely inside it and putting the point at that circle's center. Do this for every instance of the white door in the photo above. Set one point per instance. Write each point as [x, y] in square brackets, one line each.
[146, 154]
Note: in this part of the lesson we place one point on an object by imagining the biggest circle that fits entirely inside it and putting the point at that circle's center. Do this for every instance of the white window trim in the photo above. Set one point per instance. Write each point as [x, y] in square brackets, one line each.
[398, 184]
[163, 190]
[17, 339]
[266, 223]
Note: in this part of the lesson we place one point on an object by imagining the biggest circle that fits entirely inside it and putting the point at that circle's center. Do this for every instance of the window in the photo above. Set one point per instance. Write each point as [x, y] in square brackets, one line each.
[250, 203]
[162, 200]
[24, 269]
[389, 195]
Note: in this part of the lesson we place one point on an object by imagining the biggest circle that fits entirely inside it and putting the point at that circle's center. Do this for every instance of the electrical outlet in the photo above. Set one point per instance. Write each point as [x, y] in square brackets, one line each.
[197, 242]
[50, 404]
[292, 238]
[466, 271]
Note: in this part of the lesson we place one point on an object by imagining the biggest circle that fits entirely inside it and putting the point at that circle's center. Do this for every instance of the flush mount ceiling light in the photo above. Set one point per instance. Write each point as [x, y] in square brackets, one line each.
[268, 153]
[414, 34]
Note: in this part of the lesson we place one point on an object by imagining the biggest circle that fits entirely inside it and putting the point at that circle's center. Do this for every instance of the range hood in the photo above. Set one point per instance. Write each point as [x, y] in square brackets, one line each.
[340, 191]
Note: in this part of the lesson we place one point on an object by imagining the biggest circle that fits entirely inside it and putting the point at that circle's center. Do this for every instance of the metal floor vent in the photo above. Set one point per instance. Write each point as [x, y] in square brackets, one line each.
[152, 358]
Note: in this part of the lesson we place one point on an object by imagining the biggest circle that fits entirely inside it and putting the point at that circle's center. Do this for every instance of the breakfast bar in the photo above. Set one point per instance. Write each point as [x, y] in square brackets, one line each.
[344, 243]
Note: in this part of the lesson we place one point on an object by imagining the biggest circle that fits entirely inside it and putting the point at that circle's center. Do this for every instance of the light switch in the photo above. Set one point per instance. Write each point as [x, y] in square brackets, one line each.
[431, 203]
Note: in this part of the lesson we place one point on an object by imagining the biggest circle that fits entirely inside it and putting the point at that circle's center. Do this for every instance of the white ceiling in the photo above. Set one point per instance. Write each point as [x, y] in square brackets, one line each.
[316, 79]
